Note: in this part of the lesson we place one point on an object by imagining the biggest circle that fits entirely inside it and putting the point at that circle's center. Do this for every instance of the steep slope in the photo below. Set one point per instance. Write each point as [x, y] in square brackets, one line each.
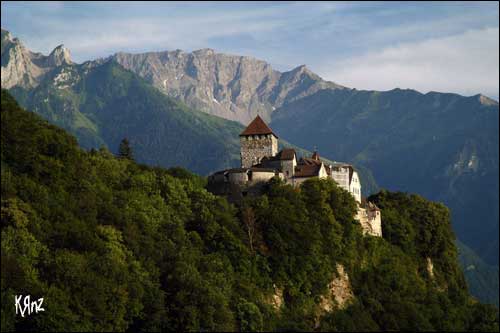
[231, 87]
[443, 146]
[115, 246]
[101, 103]
[482, 279]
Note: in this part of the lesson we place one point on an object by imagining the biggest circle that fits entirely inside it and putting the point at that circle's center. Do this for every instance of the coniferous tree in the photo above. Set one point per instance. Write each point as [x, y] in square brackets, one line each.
[125, 151]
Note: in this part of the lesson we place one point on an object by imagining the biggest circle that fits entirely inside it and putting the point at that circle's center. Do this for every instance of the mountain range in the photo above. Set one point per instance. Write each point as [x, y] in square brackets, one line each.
[443, 146]
[232, 87]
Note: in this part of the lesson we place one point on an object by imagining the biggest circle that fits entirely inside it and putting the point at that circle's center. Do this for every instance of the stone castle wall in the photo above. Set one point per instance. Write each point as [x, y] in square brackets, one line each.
[288, 168]
[370, 221]
[256, 147]
[238, 178]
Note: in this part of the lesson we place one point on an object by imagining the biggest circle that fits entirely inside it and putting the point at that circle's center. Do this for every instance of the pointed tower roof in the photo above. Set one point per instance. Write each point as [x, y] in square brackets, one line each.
[257, 126]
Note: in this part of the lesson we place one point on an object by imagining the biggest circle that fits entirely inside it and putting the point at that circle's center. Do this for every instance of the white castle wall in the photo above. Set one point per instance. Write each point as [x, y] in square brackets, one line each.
[355, 187]
[262, 176]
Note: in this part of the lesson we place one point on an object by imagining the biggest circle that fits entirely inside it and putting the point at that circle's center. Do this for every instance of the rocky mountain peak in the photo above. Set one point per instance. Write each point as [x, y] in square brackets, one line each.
[6, 36]
[300, 69]
[21, 67]
[59, 56]
[303, 70]
[484, 100]
[10, 42]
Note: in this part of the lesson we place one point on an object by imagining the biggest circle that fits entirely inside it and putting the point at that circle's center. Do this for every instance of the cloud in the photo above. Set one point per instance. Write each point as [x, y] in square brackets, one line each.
[89, 36]
[466, 63]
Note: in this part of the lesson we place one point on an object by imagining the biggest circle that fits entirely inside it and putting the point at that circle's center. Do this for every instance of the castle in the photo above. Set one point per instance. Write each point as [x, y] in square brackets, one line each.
[261, 161]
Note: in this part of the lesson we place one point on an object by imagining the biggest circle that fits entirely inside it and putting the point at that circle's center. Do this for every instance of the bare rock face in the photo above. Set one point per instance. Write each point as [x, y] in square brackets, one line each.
[17, 67]
[232, 87]
[484, 100]
[339, 292]
[21, 67]
[430, 267]
[59, 56]
[275, 300]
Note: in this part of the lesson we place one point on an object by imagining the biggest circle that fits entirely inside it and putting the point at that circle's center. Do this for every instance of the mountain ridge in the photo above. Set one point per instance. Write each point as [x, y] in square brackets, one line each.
[229, 86]
[28, 68]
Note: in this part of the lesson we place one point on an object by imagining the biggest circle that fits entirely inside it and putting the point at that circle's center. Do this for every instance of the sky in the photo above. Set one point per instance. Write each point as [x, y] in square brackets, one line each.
[427, 46]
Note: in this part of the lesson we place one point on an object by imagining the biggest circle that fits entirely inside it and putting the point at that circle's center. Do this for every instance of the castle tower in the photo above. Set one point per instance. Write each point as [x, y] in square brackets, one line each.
[256, 142]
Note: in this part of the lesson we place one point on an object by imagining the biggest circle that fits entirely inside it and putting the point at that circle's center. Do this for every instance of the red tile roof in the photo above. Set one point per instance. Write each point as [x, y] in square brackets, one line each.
[306, 170]
[256, 127]
[309, 161]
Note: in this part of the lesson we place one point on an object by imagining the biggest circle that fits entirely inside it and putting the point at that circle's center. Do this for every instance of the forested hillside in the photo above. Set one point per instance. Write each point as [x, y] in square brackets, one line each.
[441, 146]
[113, 245]
[103, 103]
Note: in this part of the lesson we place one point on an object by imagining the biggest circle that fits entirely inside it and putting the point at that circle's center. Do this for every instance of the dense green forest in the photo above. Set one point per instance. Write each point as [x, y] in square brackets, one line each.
[105, 103]
[442, 146]
[112, 245]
